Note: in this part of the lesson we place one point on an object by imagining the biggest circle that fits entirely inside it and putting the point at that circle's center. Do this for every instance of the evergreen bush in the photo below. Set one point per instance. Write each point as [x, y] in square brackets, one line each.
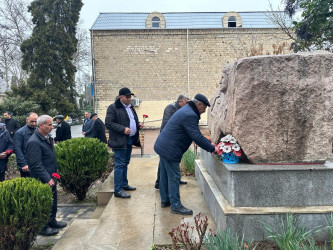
[81, 162]
[25, 208]
[188, 160]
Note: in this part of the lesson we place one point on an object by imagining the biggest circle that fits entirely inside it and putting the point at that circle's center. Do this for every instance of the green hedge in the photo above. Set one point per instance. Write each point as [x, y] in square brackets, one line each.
[25, 208]
[81, 162]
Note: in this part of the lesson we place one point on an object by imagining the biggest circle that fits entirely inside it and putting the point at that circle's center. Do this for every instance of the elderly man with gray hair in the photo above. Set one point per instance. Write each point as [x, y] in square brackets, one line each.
[176, 137]
[43, 163]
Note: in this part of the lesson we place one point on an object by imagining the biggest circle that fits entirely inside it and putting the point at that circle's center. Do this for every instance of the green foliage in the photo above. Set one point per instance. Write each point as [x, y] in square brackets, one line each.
[188, 160]
[25, 206]
[81, 162]
[315, 29]
[20, 107]
[225, 240]
[48, 55]
[290, 233]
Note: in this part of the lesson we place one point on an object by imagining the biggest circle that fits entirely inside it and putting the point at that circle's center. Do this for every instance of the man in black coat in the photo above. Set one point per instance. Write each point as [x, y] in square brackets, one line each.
[63, 131]
[123, 124]
[12, 125]
[168, 112]
[6, 149]
[98, 130]
[21, 139]
[176, 137]
[43, 163]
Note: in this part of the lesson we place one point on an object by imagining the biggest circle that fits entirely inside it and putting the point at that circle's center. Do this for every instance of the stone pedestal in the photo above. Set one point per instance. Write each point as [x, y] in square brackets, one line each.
[243, 196]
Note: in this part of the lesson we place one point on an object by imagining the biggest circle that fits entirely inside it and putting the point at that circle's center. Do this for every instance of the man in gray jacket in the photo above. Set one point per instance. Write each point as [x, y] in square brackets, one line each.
[168, 112]
[88, 124]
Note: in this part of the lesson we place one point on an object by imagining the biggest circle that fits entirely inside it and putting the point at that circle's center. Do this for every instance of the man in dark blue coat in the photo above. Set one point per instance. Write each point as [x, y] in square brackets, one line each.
[6, 149]
[176, 137]
[87, 127]
[63, 131]
[21, 138]
[122, 122]
[43, 163]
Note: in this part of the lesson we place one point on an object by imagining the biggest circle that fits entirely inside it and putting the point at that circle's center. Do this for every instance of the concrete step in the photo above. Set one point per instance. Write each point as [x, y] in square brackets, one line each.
[106, 190]
[77, 235]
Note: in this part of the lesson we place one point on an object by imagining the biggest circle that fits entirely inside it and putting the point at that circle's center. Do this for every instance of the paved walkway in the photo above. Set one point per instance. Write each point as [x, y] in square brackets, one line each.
[138, 222]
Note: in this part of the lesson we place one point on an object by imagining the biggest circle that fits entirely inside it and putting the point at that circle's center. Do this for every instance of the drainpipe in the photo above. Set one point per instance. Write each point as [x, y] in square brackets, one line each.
[188, 65]
[93, 70]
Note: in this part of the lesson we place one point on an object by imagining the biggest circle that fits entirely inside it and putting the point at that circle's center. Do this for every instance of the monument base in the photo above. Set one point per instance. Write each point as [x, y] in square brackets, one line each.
[244, 197]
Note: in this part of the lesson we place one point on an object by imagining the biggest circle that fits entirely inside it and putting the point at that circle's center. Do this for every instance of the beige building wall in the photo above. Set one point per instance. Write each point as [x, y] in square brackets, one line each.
[158, 65]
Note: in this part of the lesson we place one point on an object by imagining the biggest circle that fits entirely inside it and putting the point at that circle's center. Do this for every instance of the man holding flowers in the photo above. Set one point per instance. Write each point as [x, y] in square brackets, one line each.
[176, 137]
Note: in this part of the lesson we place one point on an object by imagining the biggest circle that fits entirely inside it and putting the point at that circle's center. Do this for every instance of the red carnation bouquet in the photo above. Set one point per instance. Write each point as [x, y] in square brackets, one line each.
[55, 177]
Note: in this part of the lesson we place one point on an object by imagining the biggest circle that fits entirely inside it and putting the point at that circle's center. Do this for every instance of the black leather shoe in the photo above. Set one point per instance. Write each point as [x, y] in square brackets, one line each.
[181, 210]
[157, 185]
[165, 204]
[122, 194]
[57, 224]
[49, 231]
[129, 188]
[182, 182]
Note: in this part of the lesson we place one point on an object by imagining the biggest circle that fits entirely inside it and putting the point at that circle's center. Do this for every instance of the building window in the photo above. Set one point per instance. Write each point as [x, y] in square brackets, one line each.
[232, 21]
[155, 22]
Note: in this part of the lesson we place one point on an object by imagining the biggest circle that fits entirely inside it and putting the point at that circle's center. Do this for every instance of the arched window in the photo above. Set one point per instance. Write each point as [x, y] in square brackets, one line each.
[232, 21]
[155, 22]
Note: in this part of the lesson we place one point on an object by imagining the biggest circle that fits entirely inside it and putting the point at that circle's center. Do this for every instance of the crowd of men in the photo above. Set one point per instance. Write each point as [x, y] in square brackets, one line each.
[34, 146]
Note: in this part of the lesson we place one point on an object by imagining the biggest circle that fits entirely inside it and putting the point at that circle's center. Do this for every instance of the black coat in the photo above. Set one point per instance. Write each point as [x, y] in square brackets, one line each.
[63, 132]
[115, 121]
[12, 126]
[99, 130]
[42, 159]
[6, 144]
[179, 132]
[168, 112]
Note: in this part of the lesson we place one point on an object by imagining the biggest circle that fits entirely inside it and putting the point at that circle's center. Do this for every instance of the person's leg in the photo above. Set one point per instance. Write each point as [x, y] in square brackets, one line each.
[164, 190]
[157, 182]
[119, 169]
[54, 204]
[173, 172]
[2, 176]
[127, 159]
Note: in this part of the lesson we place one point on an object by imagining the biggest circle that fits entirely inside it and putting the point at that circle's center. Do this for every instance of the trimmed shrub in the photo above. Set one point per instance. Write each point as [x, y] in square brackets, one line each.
[188, 161]
[25, 208]
[81, 162]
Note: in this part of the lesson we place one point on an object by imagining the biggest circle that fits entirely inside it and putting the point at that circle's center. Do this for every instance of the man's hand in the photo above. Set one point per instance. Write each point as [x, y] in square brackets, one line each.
[141, 125]
[25, 168]
[3, 155]
[84, 133]
[51, 183]
[127, 131]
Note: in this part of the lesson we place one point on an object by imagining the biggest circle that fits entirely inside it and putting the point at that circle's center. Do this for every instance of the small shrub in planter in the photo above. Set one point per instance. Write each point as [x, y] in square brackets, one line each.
[25, 208]
[188, 161]
[81, 162]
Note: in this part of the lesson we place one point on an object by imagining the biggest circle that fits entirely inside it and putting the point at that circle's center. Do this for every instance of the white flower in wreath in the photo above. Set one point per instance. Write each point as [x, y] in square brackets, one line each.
[232, 140]
[236, 147]
[226, 149]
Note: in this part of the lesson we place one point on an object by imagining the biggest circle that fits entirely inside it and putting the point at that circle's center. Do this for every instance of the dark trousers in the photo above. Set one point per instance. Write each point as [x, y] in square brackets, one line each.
[24, 174]
[55, 204]
[2, 176]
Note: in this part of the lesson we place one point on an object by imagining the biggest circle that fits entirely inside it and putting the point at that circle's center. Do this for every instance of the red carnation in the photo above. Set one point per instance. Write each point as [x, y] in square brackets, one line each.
[55, 175]
[145, 116]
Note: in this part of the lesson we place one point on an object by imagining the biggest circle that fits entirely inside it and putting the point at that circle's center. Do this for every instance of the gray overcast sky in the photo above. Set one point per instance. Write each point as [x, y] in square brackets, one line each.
[92, 8]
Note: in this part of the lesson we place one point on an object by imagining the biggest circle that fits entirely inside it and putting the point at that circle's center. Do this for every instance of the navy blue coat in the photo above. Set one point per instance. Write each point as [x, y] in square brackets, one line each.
[178, 134]
[6, 144]
[115, 121]
[21, 138]
[42, 159]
